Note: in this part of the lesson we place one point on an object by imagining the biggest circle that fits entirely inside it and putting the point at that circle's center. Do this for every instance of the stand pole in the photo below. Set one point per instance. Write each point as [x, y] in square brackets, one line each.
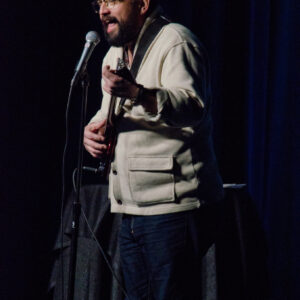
[76, 203]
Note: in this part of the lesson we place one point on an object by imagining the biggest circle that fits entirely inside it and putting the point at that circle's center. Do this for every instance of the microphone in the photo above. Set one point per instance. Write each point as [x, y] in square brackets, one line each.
[92, 39]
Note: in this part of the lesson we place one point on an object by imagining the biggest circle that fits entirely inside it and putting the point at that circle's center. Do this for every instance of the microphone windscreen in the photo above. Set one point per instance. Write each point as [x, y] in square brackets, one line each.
[92, 37]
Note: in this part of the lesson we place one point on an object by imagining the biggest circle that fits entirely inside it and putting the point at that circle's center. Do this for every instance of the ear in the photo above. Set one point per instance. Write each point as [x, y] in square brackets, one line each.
[144, 6]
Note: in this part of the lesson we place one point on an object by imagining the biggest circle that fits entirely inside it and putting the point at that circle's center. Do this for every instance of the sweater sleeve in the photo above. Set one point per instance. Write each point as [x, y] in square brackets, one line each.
[184, 97]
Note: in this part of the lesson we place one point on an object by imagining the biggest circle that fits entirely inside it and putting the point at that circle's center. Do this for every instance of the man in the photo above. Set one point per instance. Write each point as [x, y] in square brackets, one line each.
[164, 166]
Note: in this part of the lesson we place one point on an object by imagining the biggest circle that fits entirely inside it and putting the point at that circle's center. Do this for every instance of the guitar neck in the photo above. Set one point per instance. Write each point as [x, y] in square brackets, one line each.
[122, 71]
[111, 111]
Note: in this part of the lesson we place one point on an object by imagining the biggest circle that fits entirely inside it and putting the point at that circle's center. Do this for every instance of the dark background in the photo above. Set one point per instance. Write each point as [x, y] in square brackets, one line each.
[252, 46]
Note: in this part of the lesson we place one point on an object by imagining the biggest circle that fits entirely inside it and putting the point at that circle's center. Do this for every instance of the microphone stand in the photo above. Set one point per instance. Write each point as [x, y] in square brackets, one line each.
[76, 204]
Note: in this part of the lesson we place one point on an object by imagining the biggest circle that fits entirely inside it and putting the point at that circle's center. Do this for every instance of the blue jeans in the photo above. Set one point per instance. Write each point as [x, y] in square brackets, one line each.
[160, 255]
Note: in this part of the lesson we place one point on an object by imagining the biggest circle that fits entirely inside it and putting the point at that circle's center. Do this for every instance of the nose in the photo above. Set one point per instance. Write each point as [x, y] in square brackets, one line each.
[103, 9]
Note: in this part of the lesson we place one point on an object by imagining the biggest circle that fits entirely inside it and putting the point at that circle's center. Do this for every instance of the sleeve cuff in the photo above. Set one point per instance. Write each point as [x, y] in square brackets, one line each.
[162, 98]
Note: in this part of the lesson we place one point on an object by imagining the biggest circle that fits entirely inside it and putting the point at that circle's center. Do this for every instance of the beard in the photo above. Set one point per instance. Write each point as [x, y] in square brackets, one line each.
[126, 33]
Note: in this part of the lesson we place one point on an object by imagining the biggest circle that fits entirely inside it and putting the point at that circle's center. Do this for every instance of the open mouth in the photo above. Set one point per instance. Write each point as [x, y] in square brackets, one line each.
[109, 24]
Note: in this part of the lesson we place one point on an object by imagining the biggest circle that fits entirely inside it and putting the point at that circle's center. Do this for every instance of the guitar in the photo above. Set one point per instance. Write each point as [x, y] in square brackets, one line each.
[110, 130]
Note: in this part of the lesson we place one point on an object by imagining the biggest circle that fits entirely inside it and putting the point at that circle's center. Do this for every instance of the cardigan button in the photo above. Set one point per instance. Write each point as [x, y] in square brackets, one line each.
[119, 202]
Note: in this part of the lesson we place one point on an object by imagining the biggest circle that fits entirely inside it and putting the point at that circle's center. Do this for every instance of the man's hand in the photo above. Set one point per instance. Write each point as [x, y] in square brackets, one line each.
[94, 139]
[118, 86]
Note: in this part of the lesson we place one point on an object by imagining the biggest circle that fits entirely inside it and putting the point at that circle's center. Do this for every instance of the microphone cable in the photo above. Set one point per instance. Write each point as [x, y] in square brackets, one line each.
[63, 201]
[92, 39]
[63, 197]
[100, 248]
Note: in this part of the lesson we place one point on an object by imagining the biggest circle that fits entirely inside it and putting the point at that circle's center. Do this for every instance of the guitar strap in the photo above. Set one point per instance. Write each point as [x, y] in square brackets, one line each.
[150, 33]
[147, 38]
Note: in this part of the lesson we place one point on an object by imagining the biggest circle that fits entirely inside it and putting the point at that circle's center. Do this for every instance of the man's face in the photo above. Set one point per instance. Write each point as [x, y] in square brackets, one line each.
[121, 22]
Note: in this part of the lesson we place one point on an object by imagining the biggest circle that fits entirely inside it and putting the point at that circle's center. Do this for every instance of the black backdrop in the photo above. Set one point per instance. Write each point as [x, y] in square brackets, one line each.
[252, 46]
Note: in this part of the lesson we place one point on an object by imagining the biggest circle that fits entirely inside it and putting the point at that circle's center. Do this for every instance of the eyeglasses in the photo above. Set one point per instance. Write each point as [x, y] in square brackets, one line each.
[108, 3]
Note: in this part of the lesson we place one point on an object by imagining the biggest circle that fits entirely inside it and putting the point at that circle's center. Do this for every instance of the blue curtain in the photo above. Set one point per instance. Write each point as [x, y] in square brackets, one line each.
[254, 51]
[273, 147]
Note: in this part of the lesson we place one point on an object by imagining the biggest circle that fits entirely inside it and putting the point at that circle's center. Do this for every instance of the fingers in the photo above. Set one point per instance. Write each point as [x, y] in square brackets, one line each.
[95, 149]
[96, 126]
[115, 84]
[94, 140]
[110, 76]
[96, 130]
[90, 136]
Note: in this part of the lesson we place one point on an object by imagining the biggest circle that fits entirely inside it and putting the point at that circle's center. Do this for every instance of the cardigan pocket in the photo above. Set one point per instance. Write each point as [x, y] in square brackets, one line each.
[151, 180]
